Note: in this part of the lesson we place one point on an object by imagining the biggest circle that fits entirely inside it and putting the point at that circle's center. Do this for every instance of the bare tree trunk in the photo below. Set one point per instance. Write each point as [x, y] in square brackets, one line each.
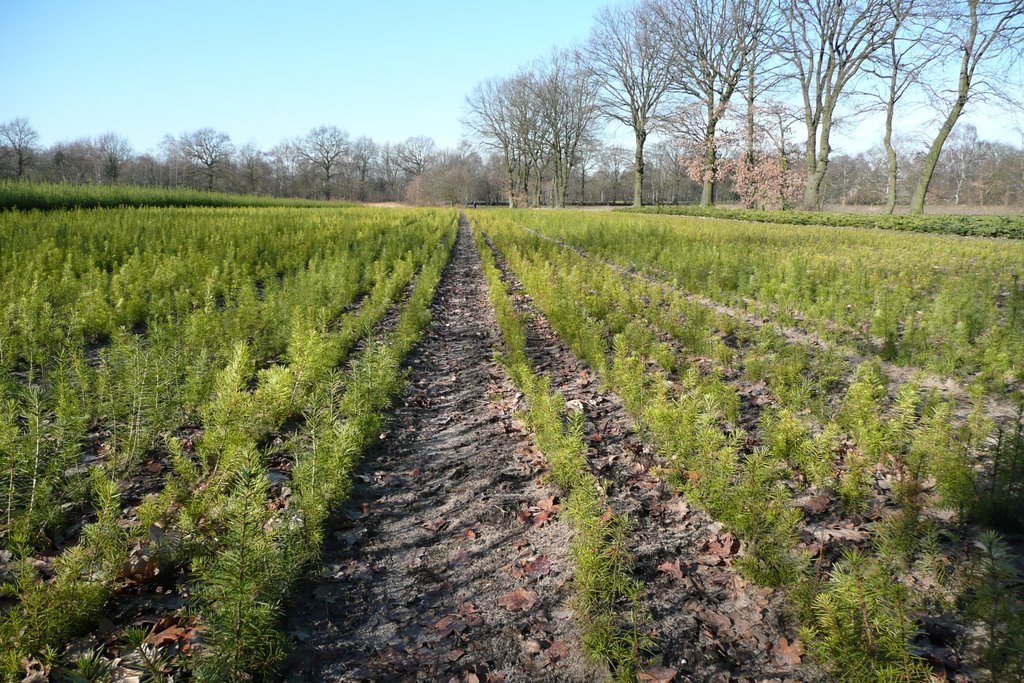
[638, 168]
[890, 152]
[561, 190]
[707, 195]
[818, 164]
[538, 185]
[811, 163]
[751, 92]
[931, 159]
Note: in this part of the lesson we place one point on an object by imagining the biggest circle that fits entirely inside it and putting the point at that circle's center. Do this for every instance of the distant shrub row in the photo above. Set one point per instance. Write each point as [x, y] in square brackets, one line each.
[48, 196]
[977, 226]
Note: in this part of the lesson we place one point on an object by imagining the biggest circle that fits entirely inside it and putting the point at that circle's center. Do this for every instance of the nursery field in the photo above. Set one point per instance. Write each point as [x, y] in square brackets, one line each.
[378, 444]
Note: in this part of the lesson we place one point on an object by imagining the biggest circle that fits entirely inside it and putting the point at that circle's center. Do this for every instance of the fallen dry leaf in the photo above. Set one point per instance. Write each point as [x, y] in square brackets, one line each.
[789, 653]
[450, 624]
[549, 504]
[719, 622]
[540, 518]
[168, 635]
[672, 569]
[470, 614]
[538, 567]
[557, 652]
[140, 566]
[725, 546]
[658, 674]
[816, 505]
[519, 600]
[435, 525]
[679, 507]
[853, 535]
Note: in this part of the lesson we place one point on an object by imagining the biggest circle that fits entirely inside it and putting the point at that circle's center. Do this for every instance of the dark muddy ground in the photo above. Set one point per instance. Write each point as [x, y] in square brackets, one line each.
[449, 561]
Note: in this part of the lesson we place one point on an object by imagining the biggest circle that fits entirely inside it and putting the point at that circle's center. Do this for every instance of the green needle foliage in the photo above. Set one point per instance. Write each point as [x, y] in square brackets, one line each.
[862, 625]
[607, 600]
[817, 414]
[236, 324]
[996, 586]
[237, 589]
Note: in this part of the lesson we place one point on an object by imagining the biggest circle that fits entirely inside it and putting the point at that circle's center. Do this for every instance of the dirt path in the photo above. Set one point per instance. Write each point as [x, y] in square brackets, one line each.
[421, 566]
[709, 624]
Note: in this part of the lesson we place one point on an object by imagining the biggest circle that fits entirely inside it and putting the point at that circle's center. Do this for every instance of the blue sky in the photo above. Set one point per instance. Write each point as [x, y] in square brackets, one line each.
[265, 71]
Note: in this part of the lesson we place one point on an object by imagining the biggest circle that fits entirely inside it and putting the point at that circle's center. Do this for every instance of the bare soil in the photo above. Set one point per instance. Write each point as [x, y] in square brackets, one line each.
[440, 566]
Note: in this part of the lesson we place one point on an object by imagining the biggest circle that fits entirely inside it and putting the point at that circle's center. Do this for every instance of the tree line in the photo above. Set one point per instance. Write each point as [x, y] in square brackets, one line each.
[325, 163]
[751, 92]
[734, 100]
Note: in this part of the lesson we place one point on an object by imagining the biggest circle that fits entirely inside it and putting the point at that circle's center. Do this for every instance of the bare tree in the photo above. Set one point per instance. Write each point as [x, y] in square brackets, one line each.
[19, 140]
[763, 70]
[363, 155]
[589, 151]
[490, 117]
[567, 110]
[961, 161]
[253, 167]
[629, 62]
[390, 172]
[531, 137]
[827, 43]
[982, 32]
[710, 43]
[208, 148]
[898, 65]
[670, 172]
[455, 177]
[74, 162]
[507, 118]
[325, 148]
[115, 151]
[416, 154]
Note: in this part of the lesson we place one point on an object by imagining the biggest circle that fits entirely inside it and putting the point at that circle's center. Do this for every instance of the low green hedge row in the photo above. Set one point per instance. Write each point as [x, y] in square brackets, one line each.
[974, 226]
[26, 196]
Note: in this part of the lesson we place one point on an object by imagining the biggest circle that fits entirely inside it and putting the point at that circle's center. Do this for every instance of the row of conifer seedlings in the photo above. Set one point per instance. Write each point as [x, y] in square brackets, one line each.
[111, 328]
[62, 596]
[242, 510]
[607, 595]
[859, 623]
